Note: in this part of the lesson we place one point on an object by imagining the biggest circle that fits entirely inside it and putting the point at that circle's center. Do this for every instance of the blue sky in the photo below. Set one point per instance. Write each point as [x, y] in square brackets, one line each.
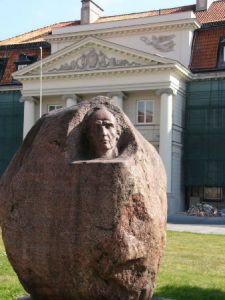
[18, 17]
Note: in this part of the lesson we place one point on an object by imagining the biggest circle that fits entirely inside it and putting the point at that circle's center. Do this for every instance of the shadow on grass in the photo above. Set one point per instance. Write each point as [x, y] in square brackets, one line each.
[190, 293]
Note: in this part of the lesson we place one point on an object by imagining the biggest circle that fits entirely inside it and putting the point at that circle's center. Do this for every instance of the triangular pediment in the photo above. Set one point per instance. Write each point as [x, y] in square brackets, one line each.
[92, 54]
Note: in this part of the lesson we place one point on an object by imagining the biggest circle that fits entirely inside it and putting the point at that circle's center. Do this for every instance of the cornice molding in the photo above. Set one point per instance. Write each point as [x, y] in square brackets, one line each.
[99, 89]
[210, 75]
[180, 71]
[129, 30]
[8, 88]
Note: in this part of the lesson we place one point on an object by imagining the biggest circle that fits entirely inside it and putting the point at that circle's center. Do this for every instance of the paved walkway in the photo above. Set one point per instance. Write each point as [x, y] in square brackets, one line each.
[205, 225]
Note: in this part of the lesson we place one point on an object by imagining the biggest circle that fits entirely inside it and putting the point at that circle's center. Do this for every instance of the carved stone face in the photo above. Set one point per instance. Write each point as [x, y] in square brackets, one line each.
[102, 134]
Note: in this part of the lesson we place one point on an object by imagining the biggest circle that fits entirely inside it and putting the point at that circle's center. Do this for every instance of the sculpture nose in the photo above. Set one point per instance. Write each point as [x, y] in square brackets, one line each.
[103, 130]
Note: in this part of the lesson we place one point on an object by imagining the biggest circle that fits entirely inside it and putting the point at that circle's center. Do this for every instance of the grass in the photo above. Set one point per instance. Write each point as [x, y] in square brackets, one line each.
[10, 288]
[193, 268]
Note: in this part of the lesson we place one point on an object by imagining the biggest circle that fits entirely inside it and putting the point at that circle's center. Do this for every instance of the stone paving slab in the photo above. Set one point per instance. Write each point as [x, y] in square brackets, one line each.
[203, 229]
[204, 225]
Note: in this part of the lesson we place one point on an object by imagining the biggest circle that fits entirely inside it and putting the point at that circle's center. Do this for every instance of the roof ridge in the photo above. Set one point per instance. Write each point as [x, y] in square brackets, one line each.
[148, 11]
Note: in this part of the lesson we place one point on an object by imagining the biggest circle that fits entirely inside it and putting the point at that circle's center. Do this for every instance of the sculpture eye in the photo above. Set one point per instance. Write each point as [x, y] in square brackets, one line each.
[109, 125]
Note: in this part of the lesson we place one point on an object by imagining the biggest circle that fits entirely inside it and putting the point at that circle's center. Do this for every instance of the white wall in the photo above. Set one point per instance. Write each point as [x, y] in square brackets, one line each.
[180, 52]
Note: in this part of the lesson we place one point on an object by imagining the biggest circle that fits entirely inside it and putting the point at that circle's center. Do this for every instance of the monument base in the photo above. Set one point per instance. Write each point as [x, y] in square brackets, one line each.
[158, 298]
[153, 298]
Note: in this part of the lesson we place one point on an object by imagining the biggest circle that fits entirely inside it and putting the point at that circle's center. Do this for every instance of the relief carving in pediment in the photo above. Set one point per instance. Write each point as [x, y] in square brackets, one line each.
[163, 43]
[94, 60]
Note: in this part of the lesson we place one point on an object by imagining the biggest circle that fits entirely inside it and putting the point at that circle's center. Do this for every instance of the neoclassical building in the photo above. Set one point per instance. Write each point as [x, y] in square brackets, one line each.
[140, 60]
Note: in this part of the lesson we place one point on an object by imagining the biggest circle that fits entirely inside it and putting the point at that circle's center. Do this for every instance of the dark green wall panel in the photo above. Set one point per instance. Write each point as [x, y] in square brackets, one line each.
[205, 134]
[11, 126]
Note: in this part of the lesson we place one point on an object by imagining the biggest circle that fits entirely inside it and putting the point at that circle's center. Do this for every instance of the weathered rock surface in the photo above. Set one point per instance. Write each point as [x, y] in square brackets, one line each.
[76, 228]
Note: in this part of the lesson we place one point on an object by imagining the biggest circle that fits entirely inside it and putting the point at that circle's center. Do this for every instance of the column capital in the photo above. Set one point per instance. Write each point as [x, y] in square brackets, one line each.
[117, 98]
[28, 98]
[73, 97]
[121, 95]
[168, 91]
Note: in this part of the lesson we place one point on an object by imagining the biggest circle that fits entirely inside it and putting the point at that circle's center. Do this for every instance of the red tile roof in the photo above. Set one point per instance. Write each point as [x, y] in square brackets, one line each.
[36, 35]
[205, 48]
[206, 40]
[12, 55]
[215, 13]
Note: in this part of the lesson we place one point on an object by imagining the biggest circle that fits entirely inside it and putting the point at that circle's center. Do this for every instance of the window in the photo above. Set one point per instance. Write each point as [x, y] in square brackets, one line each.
[145, 111]
[25, 60]
[52, 107]
[20, 67]
[3, 62]
[221, 53]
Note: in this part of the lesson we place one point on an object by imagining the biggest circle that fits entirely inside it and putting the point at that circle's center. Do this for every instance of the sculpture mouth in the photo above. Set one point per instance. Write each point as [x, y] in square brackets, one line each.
[104, 140]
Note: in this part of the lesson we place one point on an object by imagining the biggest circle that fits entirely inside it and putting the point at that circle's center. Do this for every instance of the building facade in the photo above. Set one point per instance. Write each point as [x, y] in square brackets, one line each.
[142, 61]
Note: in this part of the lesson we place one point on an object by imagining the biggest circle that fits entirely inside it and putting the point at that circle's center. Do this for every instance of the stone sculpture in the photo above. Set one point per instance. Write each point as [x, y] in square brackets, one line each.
[102, 133]
[83, 207]
[163, 43]
[92, 59]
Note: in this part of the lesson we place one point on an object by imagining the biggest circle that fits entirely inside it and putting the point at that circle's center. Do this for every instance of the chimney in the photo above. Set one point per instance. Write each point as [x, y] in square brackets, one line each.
[203, 4]
[90, 12]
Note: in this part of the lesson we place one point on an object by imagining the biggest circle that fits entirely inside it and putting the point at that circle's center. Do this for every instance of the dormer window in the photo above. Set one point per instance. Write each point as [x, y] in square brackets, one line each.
[25, 60]
[3, 62]
[221, 53]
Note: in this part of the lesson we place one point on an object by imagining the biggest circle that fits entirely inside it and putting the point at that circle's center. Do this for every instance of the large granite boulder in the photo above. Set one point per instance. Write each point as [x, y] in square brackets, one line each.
[83, 213]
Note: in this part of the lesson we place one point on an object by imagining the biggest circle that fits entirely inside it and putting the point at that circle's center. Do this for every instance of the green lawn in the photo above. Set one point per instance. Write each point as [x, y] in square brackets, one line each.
[10, 288]
[193, 269]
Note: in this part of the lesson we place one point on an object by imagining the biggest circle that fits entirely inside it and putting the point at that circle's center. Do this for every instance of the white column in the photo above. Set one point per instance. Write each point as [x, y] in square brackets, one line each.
[166, 123]
[71, 100]
[29, 114]
[117, 98]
